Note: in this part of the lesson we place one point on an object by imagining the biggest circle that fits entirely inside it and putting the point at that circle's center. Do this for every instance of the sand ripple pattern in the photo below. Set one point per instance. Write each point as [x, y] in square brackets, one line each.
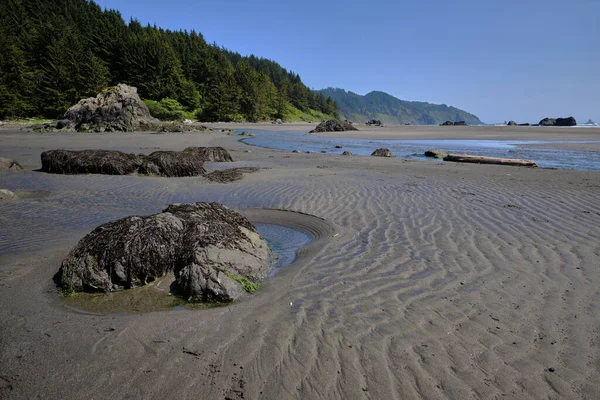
[434, 289]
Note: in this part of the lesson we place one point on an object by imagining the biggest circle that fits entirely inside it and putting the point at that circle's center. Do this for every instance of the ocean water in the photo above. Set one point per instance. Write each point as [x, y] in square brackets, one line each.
[544, 157]
[284, 241]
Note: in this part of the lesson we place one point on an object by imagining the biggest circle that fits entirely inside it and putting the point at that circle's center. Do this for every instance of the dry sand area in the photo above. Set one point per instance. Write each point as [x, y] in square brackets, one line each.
[427, 281]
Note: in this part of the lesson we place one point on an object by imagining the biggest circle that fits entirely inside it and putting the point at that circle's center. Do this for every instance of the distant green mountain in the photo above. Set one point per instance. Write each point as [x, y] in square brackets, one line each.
[393, 111]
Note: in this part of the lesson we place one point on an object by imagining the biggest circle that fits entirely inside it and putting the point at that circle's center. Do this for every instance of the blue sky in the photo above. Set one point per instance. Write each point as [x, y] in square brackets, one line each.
[499, 59]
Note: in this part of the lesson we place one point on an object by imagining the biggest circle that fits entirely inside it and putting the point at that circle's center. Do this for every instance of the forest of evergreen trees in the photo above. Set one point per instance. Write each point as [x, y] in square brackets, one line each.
[55, 52]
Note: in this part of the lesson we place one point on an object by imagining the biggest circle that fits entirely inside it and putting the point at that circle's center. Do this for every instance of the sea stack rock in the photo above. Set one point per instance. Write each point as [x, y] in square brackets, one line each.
[214, 252]
[333, 125]
[117, 108]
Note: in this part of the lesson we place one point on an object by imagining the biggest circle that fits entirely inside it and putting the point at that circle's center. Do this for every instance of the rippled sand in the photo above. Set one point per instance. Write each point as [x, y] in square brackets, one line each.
[444, 281]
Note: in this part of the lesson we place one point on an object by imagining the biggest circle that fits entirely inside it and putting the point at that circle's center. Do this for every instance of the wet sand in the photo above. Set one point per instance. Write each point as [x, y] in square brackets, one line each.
[445, 281]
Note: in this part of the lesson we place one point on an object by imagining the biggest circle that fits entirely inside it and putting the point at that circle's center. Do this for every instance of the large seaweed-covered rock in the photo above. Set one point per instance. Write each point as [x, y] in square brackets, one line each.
[173, 164]
[382, 153]
[333, 125]
[117, 108]
[221, 256]
[7, 164]
[214, 252]
[109, 162]
[211, 154]
[569, 121]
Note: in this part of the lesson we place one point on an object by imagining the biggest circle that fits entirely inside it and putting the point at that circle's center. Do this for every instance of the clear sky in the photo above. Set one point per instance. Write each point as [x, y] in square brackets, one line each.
[499, 59]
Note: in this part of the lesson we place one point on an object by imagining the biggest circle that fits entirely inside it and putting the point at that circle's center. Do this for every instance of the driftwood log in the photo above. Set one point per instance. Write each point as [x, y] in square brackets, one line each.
[467, 158]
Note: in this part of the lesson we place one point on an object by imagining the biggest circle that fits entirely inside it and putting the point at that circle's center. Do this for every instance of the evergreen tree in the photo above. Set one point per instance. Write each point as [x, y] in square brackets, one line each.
[55, 52]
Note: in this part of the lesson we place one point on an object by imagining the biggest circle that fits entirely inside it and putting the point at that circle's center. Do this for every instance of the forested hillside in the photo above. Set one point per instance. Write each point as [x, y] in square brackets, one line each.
[55, 52]
[393, 111]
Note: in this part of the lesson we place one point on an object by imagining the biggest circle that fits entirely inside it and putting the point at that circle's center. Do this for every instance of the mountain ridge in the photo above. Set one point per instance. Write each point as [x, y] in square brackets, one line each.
[393, 111]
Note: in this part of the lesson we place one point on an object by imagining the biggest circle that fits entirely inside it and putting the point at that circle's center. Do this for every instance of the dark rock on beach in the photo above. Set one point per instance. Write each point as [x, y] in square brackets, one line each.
[7, 164]
[214, 252]
[375, 122]
[173, 164]
[347, 153]
[333, 125]
[108, 162]
[382, 153]
[189, 162]
[511, 123]
[457, 123]
[569, 121]
[211, 154]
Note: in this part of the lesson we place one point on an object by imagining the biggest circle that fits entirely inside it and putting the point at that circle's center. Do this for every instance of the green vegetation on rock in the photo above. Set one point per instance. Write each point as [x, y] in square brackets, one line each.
[392, 111]
[247, 286]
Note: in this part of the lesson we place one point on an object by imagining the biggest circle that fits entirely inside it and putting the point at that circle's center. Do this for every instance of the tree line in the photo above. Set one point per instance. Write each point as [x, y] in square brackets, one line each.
[55, 52]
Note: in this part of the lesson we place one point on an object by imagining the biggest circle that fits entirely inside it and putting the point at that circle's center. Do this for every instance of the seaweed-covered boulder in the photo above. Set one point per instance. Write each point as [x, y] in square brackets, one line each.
[511, 123]
[221, 255]
[117, 108]
[211, 154]
[7, 164]
[214, 252]
[435, 153]
[333, 125]
[382, 153]
[173, 164]
[109, 162]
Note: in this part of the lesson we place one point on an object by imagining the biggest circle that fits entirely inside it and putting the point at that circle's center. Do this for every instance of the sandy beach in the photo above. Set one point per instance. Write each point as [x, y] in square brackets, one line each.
[425, 280]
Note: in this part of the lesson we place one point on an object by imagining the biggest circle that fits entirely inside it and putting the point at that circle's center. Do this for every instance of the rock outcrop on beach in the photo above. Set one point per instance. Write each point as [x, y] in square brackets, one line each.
[7, 164]
[457, 123]
[211, 154]
[569, 121]
[511, 123]
[333, 125]
[173, 164]
[382, 153]
[189, 162]
[214, 252]
[108, 162]
[117, 108]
